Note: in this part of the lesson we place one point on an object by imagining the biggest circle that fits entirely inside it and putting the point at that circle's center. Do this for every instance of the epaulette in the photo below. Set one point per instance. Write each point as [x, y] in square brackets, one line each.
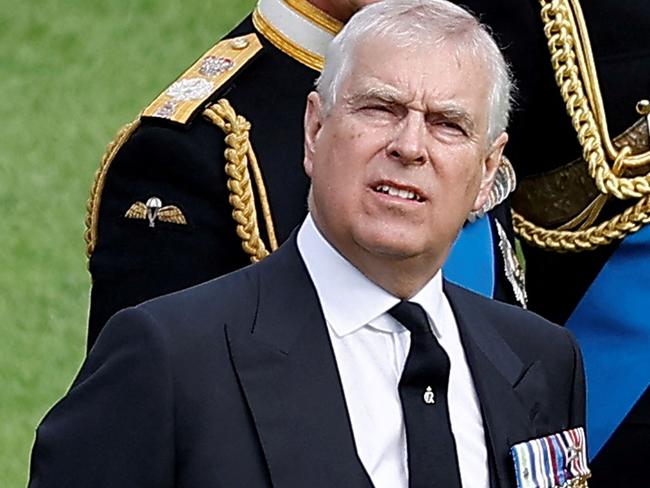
[178, 103]
[183, 98]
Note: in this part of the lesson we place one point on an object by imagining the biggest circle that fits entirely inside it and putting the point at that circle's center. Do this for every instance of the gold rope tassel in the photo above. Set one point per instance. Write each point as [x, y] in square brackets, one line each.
[264, 199]
[238, 154]
[583, 240]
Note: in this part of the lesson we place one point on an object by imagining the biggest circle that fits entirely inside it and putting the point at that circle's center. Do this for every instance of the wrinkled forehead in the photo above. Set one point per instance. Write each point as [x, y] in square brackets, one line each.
[383, 58]
[435, 80]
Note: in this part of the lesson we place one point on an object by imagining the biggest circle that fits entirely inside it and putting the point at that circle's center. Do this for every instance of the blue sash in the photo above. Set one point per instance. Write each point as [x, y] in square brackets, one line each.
[471, 261]
[612, 325]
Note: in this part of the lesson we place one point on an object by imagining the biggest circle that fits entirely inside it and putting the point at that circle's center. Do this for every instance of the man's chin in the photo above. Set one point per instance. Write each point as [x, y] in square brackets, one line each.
[394, 250]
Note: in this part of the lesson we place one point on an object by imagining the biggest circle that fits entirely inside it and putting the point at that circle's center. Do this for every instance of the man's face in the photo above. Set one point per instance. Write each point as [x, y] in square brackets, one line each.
[402, 156]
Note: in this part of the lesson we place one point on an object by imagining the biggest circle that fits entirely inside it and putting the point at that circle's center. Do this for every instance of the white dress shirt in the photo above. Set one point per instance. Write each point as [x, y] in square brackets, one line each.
[371, 347]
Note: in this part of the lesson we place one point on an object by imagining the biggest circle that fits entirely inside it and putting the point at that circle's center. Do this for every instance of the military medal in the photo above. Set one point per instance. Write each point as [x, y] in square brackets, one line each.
[555, 461]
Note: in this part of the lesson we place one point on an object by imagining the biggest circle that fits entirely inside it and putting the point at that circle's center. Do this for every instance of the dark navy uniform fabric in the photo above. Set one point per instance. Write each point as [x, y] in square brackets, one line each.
[183, 165]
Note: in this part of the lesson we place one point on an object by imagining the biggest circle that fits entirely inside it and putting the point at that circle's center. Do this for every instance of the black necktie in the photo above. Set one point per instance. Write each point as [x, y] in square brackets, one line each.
[432, 459]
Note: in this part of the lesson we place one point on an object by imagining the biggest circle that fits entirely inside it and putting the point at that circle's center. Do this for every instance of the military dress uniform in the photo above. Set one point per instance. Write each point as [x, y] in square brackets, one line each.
[209, 178]
[579, 145]
[161, 210]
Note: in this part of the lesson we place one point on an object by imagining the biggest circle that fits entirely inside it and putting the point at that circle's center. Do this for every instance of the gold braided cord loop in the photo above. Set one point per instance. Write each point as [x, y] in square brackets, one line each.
[239, 183]
[264, 199]
[575, 72]
[573, 63]
[93, 203]
[584, 240]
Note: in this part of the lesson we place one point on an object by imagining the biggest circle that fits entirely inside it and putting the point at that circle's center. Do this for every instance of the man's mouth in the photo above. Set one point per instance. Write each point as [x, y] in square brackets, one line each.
[406, 194]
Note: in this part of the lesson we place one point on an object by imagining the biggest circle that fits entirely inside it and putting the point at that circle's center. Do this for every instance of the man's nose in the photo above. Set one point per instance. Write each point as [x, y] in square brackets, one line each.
[408, 142]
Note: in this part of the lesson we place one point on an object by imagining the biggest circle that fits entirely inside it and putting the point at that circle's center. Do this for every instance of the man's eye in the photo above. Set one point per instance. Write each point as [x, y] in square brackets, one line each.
[450, 126]
[379, 108]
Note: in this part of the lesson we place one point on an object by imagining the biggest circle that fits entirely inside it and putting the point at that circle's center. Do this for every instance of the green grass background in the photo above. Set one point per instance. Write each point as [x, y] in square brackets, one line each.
[71, 73]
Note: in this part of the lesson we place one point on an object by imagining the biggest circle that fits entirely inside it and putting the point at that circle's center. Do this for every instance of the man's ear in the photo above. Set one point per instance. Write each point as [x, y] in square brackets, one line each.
[490, 166]
[313, 124]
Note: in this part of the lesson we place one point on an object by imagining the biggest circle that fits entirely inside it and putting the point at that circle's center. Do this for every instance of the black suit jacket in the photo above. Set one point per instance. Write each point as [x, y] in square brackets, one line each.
[234, 383]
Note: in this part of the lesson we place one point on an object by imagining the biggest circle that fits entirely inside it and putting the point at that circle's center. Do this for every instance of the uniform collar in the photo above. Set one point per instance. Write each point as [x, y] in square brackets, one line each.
[296, 28]
[350, 300]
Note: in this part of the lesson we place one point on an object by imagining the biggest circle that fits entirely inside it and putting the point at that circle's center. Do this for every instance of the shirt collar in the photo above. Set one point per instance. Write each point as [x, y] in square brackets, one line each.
[348, 298]
[297, 28]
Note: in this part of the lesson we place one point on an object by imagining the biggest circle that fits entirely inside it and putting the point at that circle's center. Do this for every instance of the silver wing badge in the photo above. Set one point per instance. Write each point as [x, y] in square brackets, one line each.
[154, 210]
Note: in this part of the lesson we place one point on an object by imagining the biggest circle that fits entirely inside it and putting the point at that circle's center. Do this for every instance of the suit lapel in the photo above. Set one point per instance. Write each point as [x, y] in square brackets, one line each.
[288, 373]
[498, 374]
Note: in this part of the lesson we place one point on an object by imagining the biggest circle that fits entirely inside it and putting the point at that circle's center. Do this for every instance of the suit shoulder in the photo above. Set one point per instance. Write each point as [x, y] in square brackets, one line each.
[229, 298]
[530, 336]
[513, 320]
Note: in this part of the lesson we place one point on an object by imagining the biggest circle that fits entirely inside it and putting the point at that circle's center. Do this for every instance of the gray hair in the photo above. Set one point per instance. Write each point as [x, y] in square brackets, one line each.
[417, 23]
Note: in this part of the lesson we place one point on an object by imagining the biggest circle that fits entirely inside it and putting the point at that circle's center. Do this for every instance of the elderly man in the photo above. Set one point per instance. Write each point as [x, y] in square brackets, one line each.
[344, 359]
[209, 177]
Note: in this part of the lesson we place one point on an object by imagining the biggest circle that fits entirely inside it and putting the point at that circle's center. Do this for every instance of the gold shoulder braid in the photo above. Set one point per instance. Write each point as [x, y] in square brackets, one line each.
[239, 154]
[629, 177]
[180, 101]
[177, 104]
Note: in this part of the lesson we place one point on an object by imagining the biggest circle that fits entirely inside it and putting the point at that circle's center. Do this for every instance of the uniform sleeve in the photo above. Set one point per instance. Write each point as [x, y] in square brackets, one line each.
[132, 261]
[115, 427]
